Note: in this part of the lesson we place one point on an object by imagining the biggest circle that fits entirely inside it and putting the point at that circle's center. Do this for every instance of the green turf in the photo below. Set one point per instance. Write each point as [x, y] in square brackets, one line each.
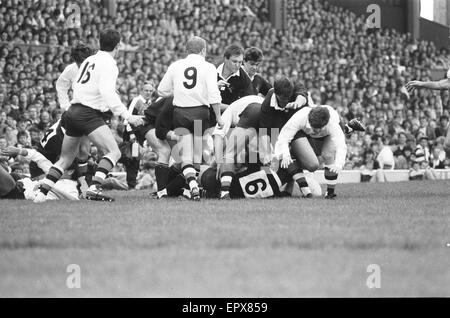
[139, 246]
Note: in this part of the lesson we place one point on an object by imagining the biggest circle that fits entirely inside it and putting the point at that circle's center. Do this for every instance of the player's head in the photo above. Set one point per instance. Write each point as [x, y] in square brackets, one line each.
[80, 52]
[283, 89]
[252, 60]
[148, 89]
[109, 40]
[318, 117]
[234, 56]
[196, 45]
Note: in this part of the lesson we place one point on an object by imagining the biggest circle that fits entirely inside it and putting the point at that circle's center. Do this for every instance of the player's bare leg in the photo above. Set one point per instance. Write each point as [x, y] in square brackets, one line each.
[306, 159]
[328, 155]
[69, 152]
[162, 148]
[104, 140]
[82, 166]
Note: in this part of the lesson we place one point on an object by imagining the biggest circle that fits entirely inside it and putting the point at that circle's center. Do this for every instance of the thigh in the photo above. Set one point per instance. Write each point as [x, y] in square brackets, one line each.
[7, 182]
[104, 140]
[304, 153]
[328, 151]
[161, 147]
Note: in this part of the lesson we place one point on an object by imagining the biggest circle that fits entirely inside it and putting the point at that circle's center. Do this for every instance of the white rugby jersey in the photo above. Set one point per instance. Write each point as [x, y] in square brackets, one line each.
[95, 85]
[192, 81]
[231, 115]
[64, 83]
[299, 121]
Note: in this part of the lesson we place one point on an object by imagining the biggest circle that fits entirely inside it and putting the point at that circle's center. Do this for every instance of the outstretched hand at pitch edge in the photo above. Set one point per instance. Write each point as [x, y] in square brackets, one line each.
[410, 86]
[286, 161]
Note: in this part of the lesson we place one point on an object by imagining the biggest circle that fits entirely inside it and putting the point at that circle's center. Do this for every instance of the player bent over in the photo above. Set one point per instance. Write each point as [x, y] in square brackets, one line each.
[311, 132]
[94, 93]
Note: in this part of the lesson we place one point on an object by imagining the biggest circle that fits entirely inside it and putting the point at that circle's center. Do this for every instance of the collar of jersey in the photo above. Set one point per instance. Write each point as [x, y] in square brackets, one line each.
[220, 69]
[195, 56]
[274, 103]
[107, 55]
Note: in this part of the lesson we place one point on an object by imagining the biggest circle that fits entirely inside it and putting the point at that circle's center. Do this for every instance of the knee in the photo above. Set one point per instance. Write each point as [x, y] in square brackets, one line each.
[311, 166]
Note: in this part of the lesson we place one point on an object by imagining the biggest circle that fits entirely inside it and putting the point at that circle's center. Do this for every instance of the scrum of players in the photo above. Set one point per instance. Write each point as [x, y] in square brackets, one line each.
[220, 132]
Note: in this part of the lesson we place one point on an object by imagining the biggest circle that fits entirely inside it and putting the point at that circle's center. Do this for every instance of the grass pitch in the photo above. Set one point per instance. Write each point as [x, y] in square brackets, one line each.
[139, 246]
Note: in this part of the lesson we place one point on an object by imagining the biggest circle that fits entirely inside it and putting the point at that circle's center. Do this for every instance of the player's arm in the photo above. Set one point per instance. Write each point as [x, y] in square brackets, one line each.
[265, 125]
[214, 97]
[107, 89]
[338, 139]
[165, 87]
[63, 84]
[435, 85]
[294, 124]
[220, 132]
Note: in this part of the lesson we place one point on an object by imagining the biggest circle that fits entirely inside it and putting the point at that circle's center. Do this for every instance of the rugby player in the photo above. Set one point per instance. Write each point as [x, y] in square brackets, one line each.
[94, 93]
[193, 84]
[310, 132]
[252, 61]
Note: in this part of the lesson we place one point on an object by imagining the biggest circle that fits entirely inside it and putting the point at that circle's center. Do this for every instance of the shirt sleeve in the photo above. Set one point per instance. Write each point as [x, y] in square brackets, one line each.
[165, 88]
[107, 89]
[214, 96]
[289, 130]
[43, 163]
[63, 84]
[227, 118]
[338, 139]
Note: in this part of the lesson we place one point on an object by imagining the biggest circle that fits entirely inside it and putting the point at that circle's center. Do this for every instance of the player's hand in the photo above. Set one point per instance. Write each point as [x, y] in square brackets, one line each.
[293, 105]
[11, 151]
[410, 86]
[267, 159]
[223, 84]
[132, 137]
[136, 120]
[171, 135]
[220, 123]
[286, 161]
[335, 169]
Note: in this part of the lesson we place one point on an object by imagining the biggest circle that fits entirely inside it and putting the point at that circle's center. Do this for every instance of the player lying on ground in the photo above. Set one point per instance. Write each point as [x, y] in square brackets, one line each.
[94, 93]
[314, 131]
[15, 186]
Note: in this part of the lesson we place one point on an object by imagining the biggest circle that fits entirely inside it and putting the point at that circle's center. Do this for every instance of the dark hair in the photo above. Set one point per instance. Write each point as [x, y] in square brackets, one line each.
[443, 117]
[233, 50]
[318, 117]
[80, 52]
[253, 54]
[282, 86]
[109, 39]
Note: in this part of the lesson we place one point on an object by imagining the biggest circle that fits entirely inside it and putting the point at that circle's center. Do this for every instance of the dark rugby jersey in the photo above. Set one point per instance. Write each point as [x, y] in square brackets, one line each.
[277, 118]
[240, 86]
[260, 85]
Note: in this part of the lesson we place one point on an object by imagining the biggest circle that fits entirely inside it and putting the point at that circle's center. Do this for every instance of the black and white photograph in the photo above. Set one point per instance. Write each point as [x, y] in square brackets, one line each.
[224, 152]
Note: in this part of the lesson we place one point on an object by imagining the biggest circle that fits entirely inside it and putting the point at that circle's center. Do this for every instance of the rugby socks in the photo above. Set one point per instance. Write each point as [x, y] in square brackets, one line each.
[162, 176]
[105, 165]
[54, 174]
[330, 179]
[189, 174]
[299, 177]
[225, 182]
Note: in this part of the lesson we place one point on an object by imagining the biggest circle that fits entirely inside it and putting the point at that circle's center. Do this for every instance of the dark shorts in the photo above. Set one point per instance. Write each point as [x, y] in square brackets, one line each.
[17, 193]
[249, 118]
[141, 131]
[184, 117]
[316, 143]
[80, 120]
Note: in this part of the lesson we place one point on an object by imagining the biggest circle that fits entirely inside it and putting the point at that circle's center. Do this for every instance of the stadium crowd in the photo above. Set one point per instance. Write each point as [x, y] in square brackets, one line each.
[358, 71]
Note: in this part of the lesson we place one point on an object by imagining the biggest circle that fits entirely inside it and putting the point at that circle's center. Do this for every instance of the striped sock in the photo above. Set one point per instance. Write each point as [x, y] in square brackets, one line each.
[225, 181]
[330, 179]
[299, 177]
[54, 174]
[189, 174]
[105, 165]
